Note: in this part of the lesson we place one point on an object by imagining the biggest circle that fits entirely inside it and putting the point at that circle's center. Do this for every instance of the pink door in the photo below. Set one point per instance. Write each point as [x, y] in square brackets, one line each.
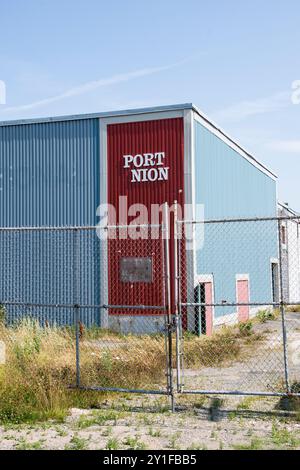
[209, 310]
[243, 298]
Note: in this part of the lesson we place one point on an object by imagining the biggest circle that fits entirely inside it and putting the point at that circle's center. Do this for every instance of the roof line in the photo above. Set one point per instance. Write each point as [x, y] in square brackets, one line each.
[233, 141]
[288, 208]
[104, 114]
[137, 111]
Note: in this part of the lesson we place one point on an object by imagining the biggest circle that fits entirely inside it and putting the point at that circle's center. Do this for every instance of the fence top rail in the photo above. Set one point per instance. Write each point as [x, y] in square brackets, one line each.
[131, 226]
[295, 218]
[77, 228]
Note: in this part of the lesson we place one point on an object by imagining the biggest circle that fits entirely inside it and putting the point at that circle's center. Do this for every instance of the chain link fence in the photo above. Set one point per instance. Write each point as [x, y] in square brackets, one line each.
[89, 302]
[213, 310]
[238, 308]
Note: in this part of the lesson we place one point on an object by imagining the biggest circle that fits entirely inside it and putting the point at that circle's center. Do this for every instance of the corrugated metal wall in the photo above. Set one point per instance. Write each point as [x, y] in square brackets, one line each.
[135, 138]
[49, 173]
[49, 176]
[228, 184]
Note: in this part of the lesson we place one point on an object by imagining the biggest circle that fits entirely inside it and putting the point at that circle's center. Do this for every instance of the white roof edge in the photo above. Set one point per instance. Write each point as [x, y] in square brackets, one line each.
[104, 114]
[129, 112]
[234, 142]
[288, 208]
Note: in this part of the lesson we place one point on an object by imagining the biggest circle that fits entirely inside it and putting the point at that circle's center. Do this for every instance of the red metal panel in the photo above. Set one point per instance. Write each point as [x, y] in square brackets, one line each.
[243, 298]
[138, 138]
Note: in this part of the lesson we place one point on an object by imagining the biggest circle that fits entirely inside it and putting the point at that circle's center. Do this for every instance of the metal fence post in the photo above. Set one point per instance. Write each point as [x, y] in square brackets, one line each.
[76, 308]
[76, 304]
[282, 313]
[181, 344]
[176, 297]
[168, 302]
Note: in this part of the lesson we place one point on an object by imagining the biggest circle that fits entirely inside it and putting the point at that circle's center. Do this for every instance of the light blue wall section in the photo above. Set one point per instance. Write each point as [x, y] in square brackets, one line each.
[228, 184]
[49, 176]
[229, 187]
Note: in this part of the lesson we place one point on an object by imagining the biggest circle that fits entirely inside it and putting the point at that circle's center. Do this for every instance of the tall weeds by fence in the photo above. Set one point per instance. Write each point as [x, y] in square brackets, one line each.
[40, 365]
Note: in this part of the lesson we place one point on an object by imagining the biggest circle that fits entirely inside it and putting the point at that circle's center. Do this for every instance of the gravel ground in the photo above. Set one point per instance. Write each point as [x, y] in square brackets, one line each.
[145, 423]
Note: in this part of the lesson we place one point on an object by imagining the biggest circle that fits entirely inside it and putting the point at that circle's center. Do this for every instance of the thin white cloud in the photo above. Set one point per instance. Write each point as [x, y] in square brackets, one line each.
[90, 86]
[285, 146]
[245, 109]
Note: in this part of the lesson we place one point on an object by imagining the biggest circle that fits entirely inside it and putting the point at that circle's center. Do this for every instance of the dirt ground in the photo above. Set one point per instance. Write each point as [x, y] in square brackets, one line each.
[146, 423]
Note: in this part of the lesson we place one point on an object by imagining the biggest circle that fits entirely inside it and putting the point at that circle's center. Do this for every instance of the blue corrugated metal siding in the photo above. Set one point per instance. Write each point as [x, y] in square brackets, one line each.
[228, 184]
[229, 187]
[49, 173]
[49, 176]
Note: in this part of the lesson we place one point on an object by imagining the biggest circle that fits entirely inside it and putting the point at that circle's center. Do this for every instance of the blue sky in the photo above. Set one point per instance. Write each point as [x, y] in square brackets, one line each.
[235, 60]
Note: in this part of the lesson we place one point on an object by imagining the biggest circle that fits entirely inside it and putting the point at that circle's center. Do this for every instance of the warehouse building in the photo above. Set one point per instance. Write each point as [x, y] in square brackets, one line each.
[56, 172]
[290, 249]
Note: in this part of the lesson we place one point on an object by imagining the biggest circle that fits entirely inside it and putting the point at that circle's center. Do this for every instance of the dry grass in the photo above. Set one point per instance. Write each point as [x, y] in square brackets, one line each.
[226, 345]
[40, 365]
[293, 309]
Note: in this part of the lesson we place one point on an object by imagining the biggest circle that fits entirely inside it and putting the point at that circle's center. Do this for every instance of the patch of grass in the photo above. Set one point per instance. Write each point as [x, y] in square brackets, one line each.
[61, 432]
[154, 433]
[107, 431]
[224, 346]
[246, 328]
[284, 437]
[267, 315]
[25, 445]
[293, 309]
[134, 443]
[232, 415]
[77, 443]
[173, 441]
[2, 314]
[246, 403]
[98, 418]
[200, 402]
[112, 444]
[255, 444]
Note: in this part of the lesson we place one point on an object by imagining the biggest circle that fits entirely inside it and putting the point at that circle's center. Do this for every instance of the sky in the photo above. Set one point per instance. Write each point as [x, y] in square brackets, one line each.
[237, 61]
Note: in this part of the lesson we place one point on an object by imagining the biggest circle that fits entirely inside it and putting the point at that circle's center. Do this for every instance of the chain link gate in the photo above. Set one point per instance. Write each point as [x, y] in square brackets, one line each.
[238, 300]
[133, 349]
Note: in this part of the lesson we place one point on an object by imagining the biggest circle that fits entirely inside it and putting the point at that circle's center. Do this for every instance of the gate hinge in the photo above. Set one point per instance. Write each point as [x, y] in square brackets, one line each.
[172, 326]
